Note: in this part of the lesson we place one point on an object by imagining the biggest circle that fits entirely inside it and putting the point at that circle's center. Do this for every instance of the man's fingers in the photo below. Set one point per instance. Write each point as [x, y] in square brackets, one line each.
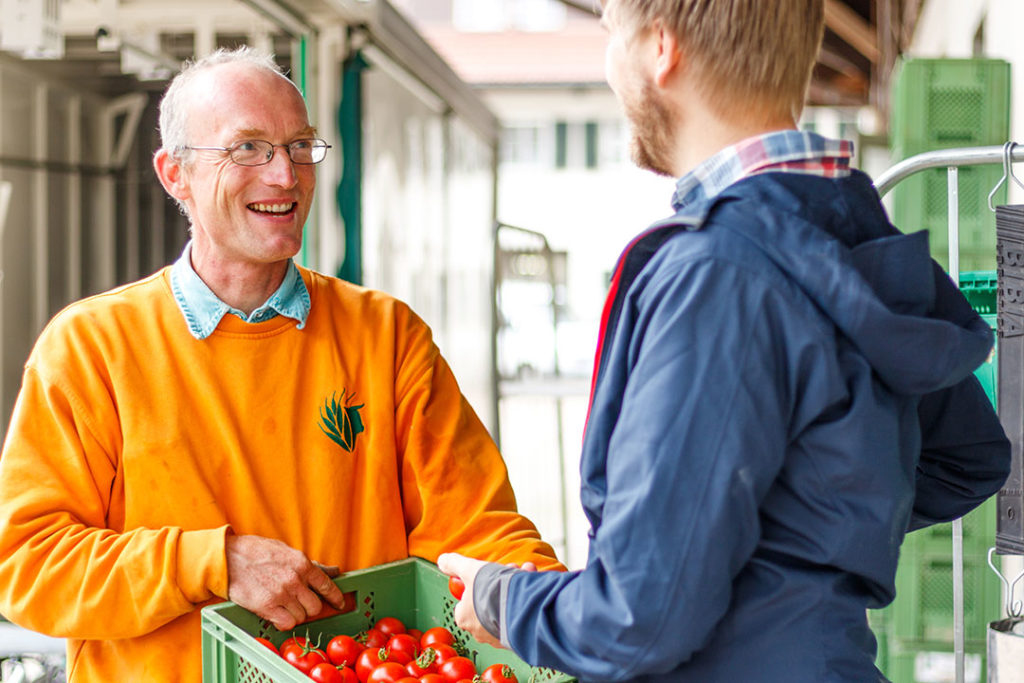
[309, 603]
[448, 563]
[320, 581]
[462, 613]
[332, 594]
[282, 618]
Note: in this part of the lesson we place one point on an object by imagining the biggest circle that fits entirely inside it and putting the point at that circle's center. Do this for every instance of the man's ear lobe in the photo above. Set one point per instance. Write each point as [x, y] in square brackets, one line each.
[669, 58]
[171, 174]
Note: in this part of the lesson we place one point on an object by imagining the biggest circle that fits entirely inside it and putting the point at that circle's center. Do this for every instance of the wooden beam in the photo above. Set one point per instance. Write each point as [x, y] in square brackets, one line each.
[852, 28]
[837, 62]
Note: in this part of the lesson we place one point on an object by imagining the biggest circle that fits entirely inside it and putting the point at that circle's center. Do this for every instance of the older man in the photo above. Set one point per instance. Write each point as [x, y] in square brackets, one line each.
[233, 426]
[784, 384]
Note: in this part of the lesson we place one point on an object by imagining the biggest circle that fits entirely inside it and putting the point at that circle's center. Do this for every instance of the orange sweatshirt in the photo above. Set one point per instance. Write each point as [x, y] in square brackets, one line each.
[134, 448]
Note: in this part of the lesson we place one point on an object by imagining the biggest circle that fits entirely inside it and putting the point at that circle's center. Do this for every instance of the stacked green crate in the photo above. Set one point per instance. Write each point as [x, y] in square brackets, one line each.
[918, 626]
[941, 104]
[980, 289]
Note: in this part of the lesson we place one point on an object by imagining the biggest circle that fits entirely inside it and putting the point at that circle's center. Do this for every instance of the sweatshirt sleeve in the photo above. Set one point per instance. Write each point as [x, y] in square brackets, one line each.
[63, 570]
[456, 493]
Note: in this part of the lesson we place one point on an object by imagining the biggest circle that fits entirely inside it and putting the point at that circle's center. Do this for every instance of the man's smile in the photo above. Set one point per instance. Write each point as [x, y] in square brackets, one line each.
[276, 209]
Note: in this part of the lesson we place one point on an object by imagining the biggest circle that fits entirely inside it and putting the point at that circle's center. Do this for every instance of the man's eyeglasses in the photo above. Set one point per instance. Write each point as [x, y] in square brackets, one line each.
[259, 152]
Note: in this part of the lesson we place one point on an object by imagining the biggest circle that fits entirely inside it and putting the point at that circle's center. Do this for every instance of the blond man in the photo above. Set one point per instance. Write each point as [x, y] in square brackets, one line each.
[784, 384]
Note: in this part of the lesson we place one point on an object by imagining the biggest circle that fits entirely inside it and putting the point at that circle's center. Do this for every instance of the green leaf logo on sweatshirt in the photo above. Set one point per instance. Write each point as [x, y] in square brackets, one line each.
[341, 421]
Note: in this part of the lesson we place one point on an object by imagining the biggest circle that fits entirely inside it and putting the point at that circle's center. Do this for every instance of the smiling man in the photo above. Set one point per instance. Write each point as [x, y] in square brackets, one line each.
[233, 426]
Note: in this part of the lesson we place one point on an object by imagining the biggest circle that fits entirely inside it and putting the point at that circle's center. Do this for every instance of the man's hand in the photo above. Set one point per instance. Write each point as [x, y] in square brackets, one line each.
[466, 569]
[277, 582]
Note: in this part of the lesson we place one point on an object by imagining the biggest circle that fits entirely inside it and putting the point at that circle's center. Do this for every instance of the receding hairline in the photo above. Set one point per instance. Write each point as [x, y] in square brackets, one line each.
[208, 77]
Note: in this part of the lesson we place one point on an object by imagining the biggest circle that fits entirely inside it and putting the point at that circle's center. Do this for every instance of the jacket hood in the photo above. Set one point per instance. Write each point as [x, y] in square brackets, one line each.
[884, 292]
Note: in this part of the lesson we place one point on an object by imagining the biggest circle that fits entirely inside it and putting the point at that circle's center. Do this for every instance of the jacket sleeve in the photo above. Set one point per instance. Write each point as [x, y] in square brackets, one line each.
[456, 493]
[965, 455]
[63, 570]
[700, 436]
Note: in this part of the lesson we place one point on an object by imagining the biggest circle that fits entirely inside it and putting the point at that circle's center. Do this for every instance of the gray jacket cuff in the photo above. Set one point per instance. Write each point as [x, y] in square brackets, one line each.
[490, 591]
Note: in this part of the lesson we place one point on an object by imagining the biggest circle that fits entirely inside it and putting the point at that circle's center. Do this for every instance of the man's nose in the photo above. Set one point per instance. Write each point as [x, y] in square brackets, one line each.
[280, 170]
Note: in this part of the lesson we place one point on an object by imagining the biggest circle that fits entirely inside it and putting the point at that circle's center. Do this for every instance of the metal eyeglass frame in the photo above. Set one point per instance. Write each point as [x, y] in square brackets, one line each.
[318, 144]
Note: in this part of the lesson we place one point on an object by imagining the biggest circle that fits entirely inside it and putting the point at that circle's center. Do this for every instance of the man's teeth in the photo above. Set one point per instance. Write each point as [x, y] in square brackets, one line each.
[272, 208]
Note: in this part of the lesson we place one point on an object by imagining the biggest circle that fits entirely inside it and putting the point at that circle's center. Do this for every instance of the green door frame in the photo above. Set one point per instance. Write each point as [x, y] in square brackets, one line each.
[350, 188]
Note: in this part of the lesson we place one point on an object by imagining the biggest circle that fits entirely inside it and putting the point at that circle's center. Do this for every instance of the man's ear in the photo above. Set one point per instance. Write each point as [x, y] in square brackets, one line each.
[171, 174]
[669, 58]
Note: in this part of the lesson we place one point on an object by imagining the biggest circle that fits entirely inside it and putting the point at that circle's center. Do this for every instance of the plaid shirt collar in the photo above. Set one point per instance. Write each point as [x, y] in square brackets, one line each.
[786, 151]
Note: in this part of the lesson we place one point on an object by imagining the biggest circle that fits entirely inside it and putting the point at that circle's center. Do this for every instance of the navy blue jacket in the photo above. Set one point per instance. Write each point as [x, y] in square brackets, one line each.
[785, 387]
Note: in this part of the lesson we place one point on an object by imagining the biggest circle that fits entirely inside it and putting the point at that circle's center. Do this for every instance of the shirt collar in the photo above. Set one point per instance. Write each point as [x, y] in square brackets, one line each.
[787, 151]
[203, 310]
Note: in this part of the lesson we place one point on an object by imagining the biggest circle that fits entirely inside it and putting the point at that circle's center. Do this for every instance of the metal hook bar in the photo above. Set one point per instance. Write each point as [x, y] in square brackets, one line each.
[1008, 163]
[1014, 608]
[1007, 173]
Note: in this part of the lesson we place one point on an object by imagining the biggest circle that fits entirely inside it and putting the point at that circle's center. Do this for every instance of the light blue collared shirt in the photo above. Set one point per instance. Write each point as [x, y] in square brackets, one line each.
[203, 310]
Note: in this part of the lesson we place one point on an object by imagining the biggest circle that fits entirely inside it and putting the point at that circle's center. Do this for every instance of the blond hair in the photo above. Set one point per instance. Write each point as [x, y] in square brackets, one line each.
[742, 50]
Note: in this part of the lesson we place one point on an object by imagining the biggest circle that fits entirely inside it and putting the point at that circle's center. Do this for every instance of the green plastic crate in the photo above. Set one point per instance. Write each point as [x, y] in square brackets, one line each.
[921, 202]
[413, 590]
[980, 289]
[919, 623]
[941, 104]
[944, 103]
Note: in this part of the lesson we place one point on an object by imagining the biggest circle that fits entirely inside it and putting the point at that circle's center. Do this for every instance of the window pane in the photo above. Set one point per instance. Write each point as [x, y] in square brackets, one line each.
[561, 144]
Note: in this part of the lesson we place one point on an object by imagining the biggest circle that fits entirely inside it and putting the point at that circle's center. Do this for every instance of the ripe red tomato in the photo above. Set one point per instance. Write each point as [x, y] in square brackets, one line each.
[456, 587]
[442, 653]
[403, 645]
[415, 633]
[389, 626]
[372, 638]
[293, 640]
[269, 645]
[437, 635]
[303, 658]
[424, 664]
[387, 672]
[499, 673]
[433, 678]
[328, 673]
[409, 679]
[368, 660]
[457, 668]
[343, 650]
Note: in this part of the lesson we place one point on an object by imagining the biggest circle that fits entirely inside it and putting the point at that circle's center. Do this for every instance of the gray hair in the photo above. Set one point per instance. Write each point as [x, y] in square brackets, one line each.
[174, 107]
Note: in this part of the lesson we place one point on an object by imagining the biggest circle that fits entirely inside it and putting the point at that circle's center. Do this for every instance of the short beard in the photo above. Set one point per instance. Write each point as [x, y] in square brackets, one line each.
[652, 136]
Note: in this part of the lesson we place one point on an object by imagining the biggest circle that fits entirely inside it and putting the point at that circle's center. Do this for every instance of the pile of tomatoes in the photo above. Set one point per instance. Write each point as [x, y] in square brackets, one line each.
[388, 653]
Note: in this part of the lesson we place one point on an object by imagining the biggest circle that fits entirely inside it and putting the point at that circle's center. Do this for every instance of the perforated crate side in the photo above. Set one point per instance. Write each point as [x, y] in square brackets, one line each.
[413, 590]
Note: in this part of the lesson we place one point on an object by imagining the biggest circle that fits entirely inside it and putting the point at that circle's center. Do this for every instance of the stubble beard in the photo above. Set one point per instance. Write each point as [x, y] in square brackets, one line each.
[652, 137]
